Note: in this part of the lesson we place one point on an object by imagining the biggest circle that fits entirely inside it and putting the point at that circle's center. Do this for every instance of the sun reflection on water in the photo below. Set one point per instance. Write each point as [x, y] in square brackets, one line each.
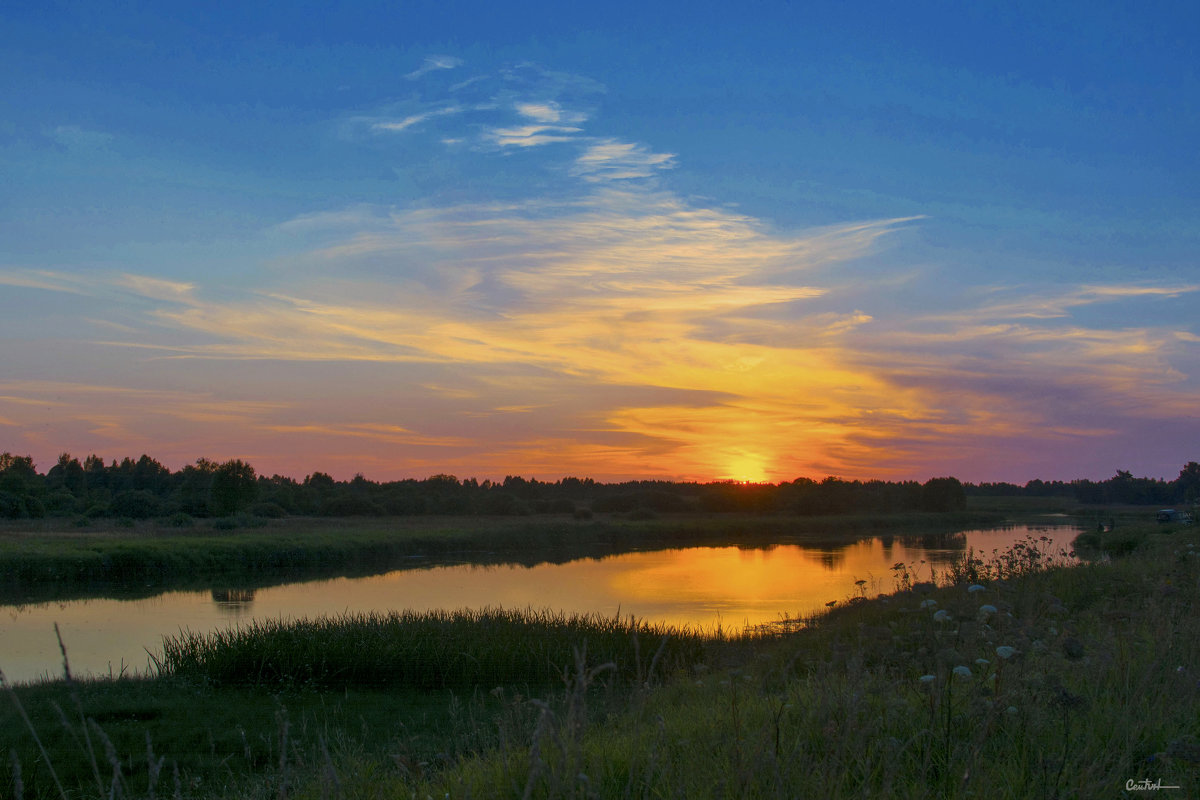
[701, 587]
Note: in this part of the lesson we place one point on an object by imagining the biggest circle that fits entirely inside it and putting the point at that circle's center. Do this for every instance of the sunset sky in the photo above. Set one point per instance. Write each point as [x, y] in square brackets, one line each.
[617, 240]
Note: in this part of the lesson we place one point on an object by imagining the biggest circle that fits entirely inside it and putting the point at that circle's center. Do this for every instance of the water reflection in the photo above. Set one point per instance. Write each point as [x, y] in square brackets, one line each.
[234, 601]
[705, 587]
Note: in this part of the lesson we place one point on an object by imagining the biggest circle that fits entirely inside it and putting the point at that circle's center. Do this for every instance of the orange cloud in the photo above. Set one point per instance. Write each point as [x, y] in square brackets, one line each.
[621, 333]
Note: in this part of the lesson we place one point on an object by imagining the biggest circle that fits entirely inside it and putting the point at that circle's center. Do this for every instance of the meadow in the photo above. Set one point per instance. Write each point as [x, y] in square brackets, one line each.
[1006, 676]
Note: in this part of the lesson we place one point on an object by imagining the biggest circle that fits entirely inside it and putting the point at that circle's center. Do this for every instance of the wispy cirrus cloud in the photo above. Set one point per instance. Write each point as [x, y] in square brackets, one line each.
[404, 123]
[530, 135]
[528, 107]
[610, 159]
[46, 280]
[433, 64]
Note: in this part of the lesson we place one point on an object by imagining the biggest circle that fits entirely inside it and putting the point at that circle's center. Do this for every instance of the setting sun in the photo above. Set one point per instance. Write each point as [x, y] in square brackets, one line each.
[747, 470]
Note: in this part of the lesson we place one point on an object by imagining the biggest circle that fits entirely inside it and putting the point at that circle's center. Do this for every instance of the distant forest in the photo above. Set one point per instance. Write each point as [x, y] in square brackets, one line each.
[144, 488]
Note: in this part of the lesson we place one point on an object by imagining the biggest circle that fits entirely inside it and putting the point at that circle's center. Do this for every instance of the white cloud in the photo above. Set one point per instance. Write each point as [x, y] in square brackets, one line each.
[157, 288]
[46, 280]
[434, 63]
[530, 135]
[549, 111]
[610, 159]
[403, 124]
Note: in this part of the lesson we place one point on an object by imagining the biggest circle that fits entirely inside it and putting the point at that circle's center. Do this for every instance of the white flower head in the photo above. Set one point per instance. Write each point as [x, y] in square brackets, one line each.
[975, 587]
[942, 616]
[927, 678]
[1006, 652]
[929, 603]
[962, 671]
[987, 610]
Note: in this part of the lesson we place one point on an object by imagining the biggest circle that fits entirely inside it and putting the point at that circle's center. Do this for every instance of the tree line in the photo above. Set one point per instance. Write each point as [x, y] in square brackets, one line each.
[144, 488]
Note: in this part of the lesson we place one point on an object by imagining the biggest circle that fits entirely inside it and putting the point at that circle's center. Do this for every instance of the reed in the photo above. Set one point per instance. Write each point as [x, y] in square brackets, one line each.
[426, 651]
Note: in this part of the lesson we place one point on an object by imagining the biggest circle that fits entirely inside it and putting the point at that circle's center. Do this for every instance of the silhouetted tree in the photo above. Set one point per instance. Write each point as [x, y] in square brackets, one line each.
[943, 494]
[1186, 488]
[68, 474]
[195, 487]
[234, 487]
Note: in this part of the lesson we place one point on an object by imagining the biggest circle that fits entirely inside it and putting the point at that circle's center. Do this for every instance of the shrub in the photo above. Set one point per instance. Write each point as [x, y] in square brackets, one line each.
[34, 508]
[138, 504]
[349, 506]
[12, 506]
[503, 503]
[268, 510]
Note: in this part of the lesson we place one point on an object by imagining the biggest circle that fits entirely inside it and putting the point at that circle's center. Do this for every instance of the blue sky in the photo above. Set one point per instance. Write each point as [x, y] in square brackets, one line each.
[642, 240]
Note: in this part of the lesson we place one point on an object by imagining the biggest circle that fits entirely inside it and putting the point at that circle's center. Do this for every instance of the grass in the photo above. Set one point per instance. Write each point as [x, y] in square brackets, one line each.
[1079, 680]
[462, 650]
[1011, 678]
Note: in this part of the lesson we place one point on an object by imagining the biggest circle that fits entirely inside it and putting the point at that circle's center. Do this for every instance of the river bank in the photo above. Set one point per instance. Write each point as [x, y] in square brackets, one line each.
[1008, 680]
[41, 561]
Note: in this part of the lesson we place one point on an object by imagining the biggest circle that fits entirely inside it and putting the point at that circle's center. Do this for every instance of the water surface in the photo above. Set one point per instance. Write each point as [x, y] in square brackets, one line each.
[698, 586]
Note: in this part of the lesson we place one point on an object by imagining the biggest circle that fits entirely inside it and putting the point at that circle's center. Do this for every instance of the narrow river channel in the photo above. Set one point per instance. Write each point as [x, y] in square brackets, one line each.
[702, 587]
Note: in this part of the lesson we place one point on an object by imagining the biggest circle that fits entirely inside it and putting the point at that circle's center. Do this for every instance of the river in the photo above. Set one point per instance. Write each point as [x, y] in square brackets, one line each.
[702, 587]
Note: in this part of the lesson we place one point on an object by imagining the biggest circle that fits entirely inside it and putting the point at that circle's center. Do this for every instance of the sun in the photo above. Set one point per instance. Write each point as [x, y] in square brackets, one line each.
[747, 470]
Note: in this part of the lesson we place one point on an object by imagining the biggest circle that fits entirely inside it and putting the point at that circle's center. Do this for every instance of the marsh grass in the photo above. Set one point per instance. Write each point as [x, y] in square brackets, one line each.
[429, 650]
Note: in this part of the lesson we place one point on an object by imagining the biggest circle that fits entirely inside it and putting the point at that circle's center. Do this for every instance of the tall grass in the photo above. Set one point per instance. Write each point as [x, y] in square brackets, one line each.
[428, 650]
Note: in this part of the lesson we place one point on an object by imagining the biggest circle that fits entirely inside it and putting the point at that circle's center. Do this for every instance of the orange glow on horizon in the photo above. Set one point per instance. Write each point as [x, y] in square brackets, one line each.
[749, 469]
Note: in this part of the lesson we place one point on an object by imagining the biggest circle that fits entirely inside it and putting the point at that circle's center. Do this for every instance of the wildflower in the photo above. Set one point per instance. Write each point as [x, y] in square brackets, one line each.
[1006, 652]
[1011, 709]
[942, 616]
[983, 662]
[928, 678]
[986, 610]
[975, 587]
[962, 671]
[929, 603]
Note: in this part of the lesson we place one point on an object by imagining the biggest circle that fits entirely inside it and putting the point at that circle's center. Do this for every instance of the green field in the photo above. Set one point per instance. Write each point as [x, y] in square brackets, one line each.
[1064, 682]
